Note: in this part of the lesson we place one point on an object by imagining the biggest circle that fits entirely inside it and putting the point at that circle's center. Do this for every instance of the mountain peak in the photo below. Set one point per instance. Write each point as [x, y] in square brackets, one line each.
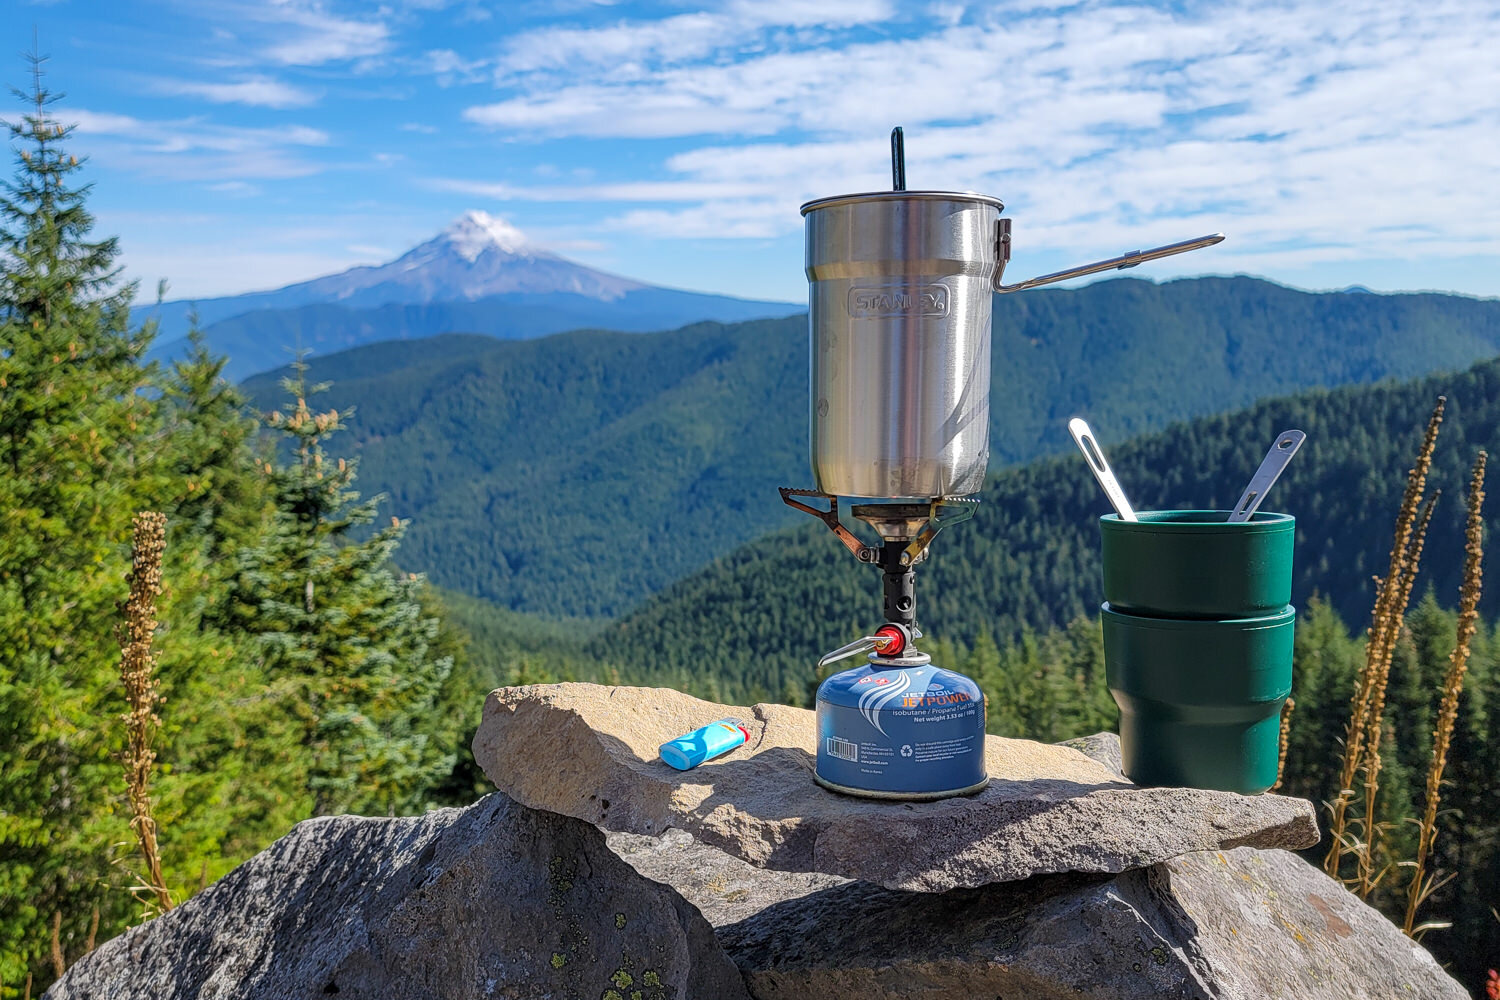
[474, 232]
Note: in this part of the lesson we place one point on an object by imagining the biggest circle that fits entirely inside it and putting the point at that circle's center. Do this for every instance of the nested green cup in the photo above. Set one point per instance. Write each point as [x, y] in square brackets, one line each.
[1195, 564]
[1200, 700]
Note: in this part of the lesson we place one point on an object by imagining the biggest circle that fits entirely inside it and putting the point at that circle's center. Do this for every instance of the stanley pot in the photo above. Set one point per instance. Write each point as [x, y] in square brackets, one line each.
[899, 318]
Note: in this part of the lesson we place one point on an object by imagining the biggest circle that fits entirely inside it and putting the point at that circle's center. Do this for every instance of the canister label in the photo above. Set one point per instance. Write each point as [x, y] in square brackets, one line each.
[913, 730]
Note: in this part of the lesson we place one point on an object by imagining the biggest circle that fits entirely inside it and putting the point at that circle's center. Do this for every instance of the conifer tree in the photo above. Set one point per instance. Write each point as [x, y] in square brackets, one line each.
[344, 643]
[70, 417]
[217, 488]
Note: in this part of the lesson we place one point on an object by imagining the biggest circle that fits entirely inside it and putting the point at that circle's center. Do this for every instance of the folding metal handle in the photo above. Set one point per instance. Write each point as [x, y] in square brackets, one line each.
[1121, 262]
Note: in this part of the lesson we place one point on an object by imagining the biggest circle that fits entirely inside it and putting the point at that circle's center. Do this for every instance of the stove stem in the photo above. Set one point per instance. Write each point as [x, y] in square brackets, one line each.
[900, 585]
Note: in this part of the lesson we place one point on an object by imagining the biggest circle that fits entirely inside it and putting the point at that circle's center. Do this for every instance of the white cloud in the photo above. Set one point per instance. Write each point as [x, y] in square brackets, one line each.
[237, 189]
[449, 67]
[193, 148]
[1348, 130]
[256, 91]
[632, 48]
[306, 34]
[599, 113]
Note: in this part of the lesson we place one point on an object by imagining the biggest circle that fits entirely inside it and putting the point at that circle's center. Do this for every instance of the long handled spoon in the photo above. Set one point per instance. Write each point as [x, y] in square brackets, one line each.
[1094, 455]
[1287, 443]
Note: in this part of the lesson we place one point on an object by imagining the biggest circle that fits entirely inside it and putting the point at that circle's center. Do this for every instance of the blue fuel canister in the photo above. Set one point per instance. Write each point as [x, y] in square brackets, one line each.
[901, 728]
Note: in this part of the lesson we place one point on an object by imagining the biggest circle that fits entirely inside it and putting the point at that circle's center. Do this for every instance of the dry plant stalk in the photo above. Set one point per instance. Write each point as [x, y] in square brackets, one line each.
[1384, 627]
[59, 964]
[137, 666]
[1368, 878]
[1422, 886]
[1286, 731]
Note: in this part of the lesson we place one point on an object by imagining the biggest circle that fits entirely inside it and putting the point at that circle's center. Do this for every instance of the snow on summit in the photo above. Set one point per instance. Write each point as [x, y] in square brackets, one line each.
[474, 232]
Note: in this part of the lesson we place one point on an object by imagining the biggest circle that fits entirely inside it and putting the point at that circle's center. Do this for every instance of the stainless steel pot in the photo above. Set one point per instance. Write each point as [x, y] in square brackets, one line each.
[899, 315]
[899, 297]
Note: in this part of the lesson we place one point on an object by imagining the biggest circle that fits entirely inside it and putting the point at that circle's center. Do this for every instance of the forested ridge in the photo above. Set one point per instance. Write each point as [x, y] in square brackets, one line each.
[578, 474]
[258, 338]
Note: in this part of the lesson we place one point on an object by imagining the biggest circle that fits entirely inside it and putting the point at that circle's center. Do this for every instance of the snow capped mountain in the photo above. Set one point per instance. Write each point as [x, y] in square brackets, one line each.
[477, 256]
[479, 275]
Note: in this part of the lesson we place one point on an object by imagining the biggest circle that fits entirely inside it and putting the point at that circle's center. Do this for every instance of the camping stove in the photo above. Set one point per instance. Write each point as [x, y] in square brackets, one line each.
[896, 727]
[900, 289]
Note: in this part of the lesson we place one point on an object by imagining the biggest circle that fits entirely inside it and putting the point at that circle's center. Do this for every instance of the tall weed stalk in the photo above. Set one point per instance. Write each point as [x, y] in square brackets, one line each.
[1423, 885]
[1392, 594]
[137, 669]
[1368, 878]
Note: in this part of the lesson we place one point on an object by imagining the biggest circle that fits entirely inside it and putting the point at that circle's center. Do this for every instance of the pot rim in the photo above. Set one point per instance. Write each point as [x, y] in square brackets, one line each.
[844, 199]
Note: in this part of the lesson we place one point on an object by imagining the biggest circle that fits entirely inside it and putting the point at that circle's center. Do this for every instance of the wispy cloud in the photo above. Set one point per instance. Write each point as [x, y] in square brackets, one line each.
[257, 91]
[307, 34]
[196, 149]
[448, 67]
[1351, 129]
[235, 189]
[636, 47]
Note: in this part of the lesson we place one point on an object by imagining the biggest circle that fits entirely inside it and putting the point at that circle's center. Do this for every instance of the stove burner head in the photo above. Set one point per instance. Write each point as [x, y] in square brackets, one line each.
[895, 522]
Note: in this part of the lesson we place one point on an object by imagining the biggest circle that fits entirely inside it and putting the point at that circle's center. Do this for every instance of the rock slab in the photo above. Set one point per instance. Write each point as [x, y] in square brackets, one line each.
[1226, 925]
[1047, 809]
[495, 900]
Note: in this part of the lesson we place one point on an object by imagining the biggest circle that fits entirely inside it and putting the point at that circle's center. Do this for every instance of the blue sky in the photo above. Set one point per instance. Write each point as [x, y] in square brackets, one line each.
[245, 144]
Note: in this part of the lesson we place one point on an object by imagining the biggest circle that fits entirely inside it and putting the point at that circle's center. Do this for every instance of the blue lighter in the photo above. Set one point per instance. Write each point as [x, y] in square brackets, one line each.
[713, 740]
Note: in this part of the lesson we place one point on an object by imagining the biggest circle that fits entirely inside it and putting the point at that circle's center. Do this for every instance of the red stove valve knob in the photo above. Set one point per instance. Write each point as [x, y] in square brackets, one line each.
[889, 639]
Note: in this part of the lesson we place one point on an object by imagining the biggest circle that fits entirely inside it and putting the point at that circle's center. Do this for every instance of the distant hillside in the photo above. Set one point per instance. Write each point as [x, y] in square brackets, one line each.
[266, 339]
[479, 275]
[579, 474]
[760, 617]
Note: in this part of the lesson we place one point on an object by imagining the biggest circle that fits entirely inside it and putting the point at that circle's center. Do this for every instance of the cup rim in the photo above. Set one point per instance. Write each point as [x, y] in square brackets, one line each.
[1284, 617]
[1205, 522]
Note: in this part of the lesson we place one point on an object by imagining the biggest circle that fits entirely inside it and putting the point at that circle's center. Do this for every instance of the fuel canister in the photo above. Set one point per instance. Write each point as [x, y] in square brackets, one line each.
[901, 729]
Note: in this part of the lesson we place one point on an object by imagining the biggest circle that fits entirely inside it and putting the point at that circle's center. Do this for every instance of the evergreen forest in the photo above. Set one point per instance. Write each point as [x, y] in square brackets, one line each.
[277, 654]
[576, 475]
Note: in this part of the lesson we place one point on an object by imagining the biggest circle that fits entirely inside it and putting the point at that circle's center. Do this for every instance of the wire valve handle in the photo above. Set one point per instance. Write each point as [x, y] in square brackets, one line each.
[889, 639]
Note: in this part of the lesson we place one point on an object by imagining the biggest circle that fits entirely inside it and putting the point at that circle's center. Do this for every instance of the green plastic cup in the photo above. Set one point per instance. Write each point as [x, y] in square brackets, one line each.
[1195, 564]
[1200, 700]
